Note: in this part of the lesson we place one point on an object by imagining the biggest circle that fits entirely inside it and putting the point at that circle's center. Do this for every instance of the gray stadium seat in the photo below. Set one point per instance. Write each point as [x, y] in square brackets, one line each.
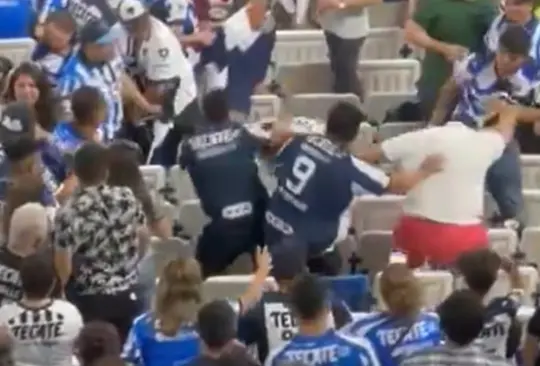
[17, 50]
[192, 217]
[392, 129]
[228, 287]
[374, 249]
[530, 171]
[180, 181]
[264, 106]
[375, 213]
[503, 241]
[318, 105]
[154, 176]
[530, 245]
[532, 206]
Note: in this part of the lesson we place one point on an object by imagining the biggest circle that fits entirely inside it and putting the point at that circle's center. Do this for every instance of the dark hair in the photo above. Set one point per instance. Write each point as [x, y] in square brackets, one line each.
[46, 106]
[216, 323]
[515, 40]
[37, 276]
[20, 192]
[462, 316]
[85, 103]
[215, 106]
[308, 296]
[479, 269]
[109, 361]
[90, 163]
[124, 171]
[343, 122]
[97, 340]
[20, 148]
[63, 19]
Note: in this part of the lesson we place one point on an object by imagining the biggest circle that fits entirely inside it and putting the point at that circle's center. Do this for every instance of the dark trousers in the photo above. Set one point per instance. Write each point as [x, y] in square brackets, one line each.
[343, 54]
[119, 309]
[326, 264]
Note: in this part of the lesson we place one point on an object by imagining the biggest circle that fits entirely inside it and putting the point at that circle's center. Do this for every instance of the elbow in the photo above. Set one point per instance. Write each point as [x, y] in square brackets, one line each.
[409, 32]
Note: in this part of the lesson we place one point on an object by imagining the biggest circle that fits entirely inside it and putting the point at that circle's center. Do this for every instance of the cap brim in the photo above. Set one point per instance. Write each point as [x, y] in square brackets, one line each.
[108, 38]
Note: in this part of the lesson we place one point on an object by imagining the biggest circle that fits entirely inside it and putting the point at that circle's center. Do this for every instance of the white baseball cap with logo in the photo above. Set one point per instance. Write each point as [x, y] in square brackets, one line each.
[129, 10]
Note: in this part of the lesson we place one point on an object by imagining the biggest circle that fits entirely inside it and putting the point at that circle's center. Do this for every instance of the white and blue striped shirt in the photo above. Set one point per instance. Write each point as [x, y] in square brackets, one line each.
[107, 77]
[479, 84]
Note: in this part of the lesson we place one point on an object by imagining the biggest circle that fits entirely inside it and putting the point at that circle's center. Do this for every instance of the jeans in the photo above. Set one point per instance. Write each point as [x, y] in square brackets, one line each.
[343, 54]
[503, 181]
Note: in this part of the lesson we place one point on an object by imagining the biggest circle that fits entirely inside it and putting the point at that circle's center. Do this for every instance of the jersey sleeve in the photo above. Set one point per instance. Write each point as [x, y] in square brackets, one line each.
[132, 351]
[491, 38]
[367, 177]
[464, 68]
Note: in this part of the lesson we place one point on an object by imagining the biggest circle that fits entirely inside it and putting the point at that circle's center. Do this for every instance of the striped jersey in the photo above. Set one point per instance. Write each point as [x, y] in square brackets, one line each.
[42, 336]
[83, 11]
[479, 84]
[51, 63]
[104, 76]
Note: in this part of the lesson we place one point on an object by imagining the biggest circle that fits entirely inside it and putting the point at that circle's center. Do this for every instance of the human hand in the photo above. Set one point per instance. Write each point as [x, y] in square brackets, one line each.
[454, 52]
[263, 261]
[206, 37]
[432, 164]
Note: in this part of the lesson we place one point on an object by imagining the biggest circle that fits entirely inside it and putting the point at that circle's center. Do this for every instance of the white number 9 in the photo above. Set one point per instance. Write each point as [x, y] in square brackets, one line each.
[302, 171]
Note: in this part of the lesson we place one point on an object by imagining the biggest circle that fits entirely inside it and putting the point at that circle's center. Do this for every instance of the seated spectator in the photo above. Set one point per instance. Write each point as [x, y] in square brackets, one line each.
[96, 341]
[167, 334]
[54, 50]
[124, 158]
[270, 323]
[480, 270]
[462, 320]
[88, 109]
[404, 319]
[43, 329]
[220, 159]
[103, 227]
[315, 339]
[216, 324]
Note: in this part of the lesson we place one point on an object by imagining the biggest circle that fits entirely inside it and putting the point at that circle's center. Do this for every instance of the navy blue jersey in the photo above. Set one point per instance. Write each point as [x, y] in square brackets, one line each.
[316, 180]
[394, 338]
[83, 11]
[221, 162]
[270, 323]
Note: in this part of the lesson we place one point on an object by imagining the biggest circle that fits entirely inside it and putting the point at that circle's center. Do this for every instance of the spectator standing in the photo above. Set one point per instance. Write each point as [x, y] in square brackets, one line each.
[104, 228]
[83, 11]
[404, 328]
[43, 329]
[220, 158]
[345, 24]
[462, 320]
[433, 28]
[315, 339]
[480, 270]
[97, 340]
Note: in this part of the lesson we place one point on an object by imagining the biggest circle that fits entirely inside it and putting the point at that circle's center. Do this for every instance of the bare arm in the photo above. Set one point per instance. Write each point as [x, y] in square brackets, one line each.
[416, 35]
[361, 3]
[130, 91]
[446, 101]
[256, 287]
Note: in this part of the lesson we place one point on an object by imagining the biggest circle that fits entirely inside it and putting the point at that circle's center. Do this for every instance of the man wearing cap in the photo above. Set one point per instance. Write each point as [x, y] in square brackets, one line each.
[97, 64]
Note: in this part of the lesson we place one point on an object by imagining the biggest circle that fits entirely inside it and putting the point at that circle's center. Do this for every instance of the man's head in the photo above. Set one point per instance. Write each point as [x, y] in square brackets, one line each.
[518, 11]
[135, 18]
[216, 323]
[479, 269]
[28, 229]
[309, 298]
[215, 106]
[461, 317]
[97, 41]
[38, 276]
[91, 163]
[88, 106]
[288, 261]
[343, 122]
[59, 30]
[17, 119]
[22, 154]
[513, 51]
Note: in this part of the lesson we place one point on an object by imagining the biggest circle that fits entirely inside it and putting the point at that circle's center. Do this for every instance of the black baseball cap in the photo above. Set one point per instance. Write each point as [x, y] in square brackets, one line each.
[21, 147]
[289, 259]
[17, 119]
[97, 32]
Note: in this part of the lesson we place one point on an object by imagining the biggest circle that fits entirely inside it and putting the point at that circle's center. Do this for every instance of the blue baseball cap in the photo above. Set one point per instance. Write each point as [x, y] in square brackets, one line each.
[97, 32]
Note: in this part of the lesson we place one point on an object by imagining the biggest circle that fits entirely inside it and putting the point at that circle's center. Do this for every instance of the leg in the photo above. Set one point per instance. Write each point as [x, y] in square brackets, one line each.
[327, 264]
[344, 55]
[504, 183]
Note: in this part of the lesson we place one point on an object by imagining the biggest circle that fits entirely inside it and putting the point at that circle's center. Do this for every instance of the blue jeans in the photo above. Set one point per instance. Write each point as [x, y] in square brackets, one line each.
[503, 181]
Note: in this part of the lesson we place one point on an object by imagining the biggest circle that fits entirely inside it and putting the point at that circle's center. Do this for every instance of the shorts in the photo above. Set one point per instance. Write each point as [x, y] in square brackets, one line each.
[439, 244]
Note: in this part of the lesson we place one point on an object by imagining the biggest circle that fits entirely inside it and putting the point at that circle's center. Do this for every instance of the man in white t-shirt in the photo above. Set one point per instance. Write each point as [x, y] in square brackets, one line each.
[168, 77]
[43, 329]
[442, 216]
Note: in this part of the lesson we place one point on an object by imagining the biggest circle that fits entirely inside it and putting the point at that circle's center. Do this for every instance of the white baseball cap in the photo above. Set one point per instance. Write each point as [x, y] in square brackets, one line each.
[131, 9]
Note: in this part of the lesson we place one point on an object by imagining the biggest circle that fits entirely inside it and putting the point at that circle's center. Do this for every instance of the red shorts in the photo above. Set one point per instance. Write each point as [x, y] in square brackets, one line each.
[440, 244]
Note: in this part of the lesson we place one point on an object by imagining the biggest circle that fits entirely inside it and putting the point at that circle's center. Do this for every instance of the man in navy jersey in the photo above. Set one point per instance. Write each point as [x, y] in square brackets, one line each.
[271, 323]
[317, 343]
[220, 158]
[83, 11]
[317, 178]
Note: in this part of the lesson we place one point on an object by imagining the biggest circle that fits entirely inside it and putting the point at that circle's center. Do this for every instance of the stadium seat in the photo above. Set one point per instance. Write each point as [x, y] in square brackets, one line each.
[374, 249]
[264, 106]
[530, 171]
[192, 218]
[503, 241]
[436, 285]
[532, 206]
[300, 47]
[229, 287]
[318, 105]
[387, 14]
[180, 181]
[375, 213]
[163, 251]
[354, 290]
[154, 176]
[393, 129]
[501, 287]
[382, 44]
[17, 50]
[530, 245]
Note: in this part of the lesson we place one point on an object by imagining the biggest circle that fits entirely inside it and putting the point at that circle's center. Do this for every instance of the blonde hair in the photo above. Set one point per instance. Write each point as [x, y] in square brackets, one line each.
[28, 222]
[401, 290]
[178, 295]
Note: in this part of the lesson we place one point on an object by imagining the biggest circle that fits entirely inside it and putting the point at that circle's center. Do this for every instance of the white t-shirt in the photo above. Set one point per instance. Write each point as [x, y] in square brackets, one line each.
[456, 194]
[44, 336]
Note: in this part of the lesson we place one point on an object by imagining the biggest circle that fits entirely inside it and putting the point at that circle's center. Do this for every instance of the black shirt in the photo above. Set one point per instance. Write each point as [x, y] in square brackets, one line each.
[10, 281]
